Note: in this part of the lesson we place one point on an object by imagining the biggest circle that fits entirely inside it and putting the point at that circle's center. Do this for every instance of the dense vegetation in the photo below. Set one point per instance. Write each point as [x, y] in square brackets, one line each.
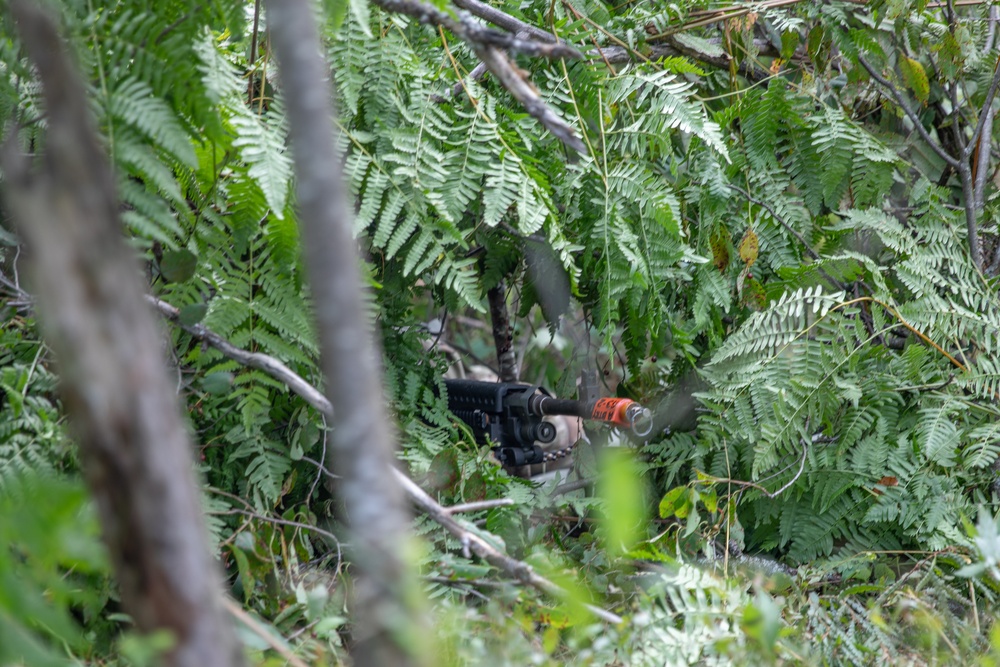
[781, 233]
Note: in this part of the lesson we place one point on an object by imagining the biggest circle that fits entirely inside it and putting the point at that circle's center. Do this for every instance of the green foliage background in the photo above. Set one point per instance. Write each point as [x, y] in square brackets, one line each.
[788, 251]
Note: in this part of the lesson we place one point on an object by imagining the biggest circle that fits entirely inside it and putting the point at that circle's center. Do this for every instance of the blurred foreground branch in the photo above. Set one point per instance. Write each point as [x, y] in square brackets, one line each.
[123, 411]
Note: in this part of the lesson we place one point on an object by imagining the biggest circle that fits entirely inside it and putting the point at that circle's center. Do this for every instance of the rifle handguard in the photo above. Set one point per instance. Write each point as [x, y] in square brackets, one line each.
[509, 416]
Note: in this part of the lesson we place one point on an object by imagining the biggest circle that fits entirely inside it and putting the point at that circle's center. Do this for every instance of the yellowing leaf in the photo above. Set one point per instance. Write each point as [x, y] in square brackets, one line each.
[749, 247]
[719, 243]
[915, 78]
[676, 500]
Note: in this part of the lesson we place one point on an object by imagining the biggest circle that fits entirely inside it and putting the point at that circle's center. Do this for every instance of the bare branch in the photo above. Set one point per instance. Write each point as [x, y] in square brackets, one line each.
[440, 514]
[503, 20]
[475, 34]
[987, 105]
[503, 69]
[279, 647]
[488, 45]
[263, 362]
[983, 162]
[517, 569]
[503, 338]
[479, 505]
[919, 126]
[991, 31]
[389, 620]
[971, 226]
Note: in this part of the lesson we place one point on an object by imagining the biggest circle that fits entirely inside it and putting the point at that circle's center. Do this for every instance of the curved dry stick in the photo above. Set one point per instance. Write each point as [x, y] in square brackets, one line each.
[503, 20]
[518, 569]
[910, 113]
[490, 45]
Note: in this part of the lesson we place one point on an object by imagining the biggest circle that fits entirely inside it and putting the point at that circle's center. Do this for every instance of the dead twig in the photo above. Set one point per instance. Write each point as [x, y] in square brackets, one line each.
[490, 46]
[258, 629]
[504, 20]
[479, 505]
[468, 30]
[479, 546]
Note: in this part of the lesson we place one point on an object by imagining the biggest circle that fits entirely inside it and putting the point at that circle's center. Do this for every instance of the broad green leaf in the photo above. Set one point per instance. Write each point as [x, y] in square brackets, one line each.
[915, 78]
[192, 314]
[178, 266]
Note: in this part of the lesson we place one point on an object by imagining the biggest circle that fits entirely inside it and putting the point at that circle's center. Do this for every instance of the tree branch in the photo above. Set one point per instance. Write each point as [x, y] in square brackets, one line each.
[479, 505]
[885, 83]
[477, 35]
[473, 542]
[987, 104]
[263, 362]
[488, 46]
[503, 20]
[389, 623]
[983, 161]
[961, 164]
[503, 338]
[499, 64]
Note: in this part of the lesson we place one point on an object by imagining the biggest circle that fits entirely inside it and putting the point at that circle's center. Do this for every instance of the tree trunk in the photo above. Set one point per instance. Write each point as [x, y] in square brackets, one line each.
[503, 334]
[122, 408]
[386, 606]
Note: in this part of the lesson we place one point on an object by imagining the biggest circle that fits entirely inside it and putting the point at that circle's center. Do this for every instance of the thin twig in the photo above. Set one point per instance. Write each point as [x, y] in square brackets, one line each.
[280, 522]
[479, 505]
[517, 569]
[770, 494]
[777, 218]
[468, 30]
[722, 15]
[262, 632]
[919, 126]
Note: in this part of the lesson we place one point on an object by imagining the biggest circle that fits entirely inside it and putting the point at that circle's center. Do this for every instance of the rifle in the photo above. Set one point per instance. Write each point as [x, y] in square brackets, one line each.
[508, 416]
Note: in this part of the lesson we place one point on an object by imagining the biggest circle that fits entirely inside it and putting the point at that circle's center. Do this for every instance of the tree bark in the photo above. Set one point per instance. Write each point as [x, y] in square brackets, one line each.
[503, 334]
[386, 608]
[122, 408]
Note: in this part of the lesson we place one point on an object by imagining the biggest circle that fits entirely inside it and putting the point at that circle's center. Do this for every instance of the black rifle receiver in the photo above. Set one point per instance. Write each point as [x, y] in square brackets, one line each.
[499, 414]
[508, 416]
